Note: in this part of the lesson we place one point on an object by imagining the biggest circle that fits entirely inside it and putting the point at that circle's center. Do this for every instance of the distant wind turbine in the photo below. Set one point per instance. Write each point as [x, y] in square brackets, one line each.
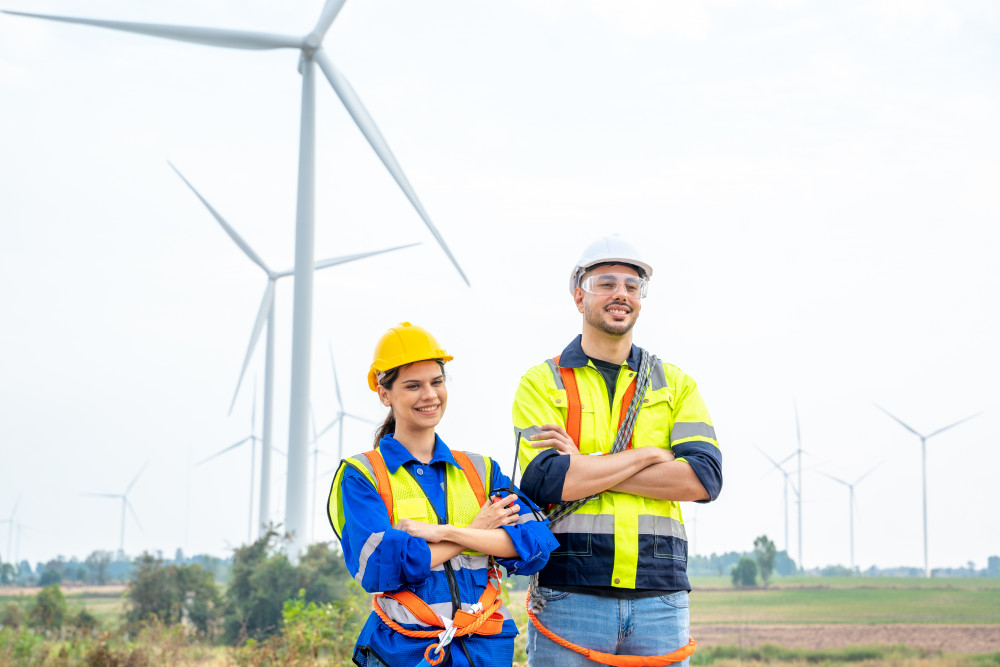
[252, 438]
[10, 523]
[798, 494]
[341, 415]
[850, 486]
[125, 503]
[265, 314]
[788, 483]
[923, 464]
[311, 51]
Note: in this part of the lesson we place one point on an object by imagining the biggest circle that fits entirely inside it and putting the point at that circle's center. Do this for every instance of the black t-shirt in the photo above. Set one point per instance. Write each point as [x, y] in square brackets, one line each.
[609, 372]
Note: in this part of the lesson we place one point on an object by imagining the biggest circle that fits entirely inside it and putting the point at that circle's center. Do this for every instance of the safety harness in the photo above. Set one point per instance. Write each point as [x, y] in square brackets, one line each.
[483, 618]
[623, 440]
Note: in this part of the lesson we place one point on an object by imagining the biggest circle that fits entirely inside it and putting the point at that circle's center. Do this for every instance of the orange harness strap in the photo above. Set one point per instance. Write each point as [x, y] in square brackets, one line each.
[487, 621]
[610, 659]
[574, 410]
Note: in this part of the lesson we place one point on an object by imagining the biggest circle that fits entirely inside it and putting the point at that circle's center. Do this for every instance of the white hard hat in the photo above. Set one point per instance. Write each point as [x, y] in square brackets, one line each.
[611, 249]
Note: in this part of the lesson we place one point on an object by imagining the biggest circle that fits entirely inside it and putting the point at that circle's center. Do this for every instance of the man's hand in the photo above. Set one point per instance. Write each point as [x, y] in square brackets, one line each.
[556, 437]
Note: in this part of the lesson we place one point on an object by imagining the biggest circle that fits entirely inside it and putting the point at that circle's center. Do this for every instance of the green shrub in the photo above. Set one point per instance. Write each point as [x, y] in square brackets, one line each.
[49, 610]
[745, 573]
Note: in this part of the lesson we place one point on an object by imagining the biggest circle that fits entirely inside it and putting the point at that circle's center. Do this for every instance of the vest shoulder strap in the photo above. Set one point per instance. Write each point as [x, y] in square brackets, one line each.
[478, 487]
[381, 479]
[574, 410]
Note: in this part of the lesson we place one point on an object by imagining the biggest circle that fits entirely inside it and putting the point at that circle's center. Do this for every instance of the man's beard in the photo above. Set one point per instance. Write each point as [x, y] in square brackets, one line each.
[595, 318]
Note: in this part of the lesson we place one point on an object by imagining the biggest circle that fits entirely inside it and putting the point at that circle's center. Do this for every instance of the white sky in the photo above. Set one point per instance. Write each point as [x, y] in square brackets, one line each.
[815, 184]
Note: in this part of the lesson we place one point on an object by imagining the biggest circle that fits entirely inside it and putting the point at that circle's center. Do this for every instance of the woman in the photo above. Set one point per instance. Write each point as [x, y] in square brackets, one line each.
[427, 523]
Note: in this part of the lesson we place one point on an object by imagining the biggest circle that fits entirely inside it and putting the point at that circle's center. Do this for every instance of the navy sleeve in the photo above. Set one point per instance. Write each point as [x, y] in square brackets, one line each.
[544, 477]
[706, 461]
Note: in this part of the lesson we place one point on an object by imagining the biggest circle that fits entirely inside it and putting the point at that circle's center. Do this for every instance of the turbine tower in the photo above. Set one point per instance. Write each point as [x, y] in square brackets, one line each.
[125, 503]
[850, 486]
[798, 494]
[923, 465]
[252, 438]
[310, 47]
[10, 523]
[788, 483]
[265, 314]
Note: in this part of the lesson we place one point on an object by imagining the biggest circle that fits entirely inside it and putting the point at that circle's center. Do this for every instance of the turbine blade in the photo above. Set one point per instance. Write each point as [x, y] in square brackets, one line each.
[371, 132]
[326, 18]
[960, 421]
[334, 261]
[222, 451]
[232, 39]
[336, 382]
[102, 495]
[17, 502]
[134, 516]
[901, 422]
[834, 478]
[266, 304]
[359, 418]
[867, 473]
[237, 239]
[136, 478]
[773, 462]
[329, 426]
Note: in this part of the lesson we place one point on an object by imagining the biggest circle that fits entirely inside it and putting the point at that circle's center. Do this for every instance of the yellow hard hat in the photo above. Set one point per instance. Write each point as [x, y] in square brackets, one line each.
[403, 344]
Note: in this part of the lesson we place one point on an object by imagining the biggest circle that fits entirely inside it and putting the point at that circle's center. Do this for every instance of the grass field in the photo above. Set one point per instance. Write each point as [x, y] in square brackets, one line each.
[856, 600]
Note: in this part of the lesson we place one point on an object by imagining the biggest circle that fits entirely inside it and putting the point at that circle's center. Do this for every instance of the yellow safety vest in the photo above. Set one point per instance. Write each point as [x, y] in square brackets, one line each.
[616, 539]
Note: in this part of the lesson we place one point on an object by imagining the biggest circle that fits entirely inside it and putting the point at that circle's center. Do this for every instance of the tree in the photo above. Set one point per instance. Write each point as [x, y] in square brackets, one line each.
[98, 562]
[764, 553]
[49, 610]
[7, 573]
[993, 566]
[50, 576]
[171, 594]
[745, 573]
[262, 579]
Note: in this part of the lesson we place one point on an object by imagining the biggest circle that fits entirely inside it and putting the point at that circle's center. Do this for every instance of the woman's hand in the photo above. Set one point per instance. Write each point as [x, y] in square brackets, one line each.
[556, 437]
[494, 514]
[430, 532]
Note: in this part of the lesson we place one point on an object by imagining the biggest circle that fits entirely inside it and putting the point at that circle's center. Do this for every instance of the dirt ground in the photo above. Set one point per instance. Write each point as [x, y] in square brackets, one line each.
[945, 638]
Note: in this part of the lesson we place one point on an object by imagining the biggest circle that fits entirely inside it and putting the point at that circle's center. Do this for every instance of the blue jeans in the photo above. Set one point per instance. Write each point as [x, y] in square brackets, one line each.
[648, 626]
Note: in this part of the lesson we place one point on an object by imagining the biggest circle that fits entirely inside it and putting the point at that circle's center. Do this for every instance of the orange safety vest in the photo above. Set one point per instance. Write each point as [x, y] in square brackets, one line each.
[574, 411]
[487, 621]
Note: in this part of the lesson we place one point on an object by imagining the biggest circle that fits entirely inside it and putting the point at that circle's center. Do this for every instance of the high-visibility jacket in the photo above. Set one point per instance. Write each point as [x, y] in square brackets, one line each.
[382, 558]
[618, 540]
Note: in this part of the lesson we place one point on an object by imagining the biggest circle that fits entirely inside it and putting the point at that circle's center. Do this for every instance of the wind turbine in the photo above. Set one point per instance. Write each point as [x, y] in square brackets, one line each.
[850, 486]
[125, 503]
[923, 464]
[265, 314]
[798, 494]
[788, 483]
[341, 414]
[311, 51]
[253, 457]
[10, 523]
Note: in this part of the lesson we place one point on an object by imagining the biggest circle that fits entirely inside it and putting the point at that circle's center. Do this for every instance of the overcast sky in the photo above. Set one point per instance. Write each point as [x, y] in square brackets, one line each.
[815, 185]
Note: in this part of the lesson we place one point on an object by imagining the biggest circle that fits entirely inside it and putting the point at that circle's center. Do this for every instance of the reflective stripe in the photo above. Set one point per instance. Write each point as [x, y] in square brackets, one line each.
[363, 460]
[597, 524]
[479, 462]
[526, 433]
[663, 526]
[367, 550]
[401, 614]
[684, 430]
[657, 376]
[466, 561]
[555, 374]
[604, 524]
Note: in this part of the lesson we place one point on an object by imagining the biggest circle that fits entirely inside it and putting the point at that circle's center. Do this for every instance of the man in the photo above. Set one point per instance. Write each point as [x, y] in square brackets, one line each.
[618, 582]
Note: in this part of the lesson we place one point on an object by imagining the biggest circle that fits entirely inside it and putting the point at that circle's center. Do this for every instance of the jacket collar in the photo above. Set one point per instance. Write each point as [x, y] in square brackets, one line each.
[574, 356]
[395, 454]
